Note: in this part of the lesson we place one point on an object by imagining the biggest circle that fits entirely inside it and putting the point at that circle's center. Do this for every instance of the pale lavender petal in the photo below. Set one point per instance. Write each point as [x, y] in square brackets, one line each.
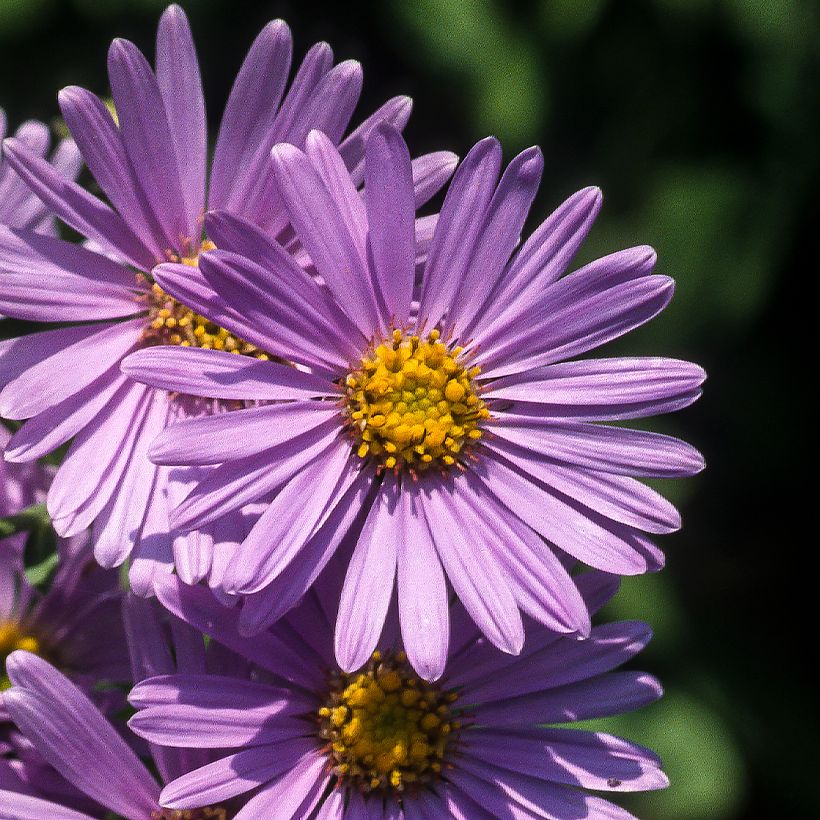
[617, 450]
[68, 370]
[545, 256]
[181, 88]
[249, 116]
[391, 221]
[459, 226]
[100, 142]
[430, 174]
[148, 143]
[76, 207]
[49, 280]
[370, 577]
[591, 759]
[499, 235]
[475, 573]
[72, 735]
[322, 231]
[235, 774]
[24, 807]
[331, 105]
[422, 591]
[288, 522]
[238, 434]
[218, 374]
[294, 793]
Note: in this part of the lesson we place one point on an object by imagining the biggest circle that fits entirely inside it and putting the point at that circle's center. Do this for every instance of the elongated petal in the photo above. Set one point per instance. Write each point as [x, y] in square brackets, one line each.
[391, 220]
[25, 807]
[75, 738]
[221, 375]
[430, 174]
[370, 577]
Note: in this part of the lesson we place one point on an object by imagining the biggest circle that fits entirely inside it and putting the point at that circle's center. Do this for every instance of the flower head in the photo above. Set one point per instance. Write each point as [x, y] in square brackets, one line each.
[380, 742]
[432, 423]
[150, 161]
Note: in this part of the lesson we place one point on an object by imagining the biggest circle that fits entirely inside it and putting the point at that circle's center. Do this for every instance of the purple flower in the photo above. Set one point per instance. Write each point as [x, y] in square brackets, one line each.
[379, 742]
[451, 439]
[150, 162]
[19, 206]
[69, 732]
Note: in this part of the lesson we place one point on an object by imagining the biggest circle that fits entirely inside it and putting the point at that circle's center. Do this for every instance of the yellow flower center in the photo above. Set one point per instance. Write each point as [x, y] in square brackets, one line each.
[13, 637]
[413, 402]
[172, 323]
[386, 728]
[207, 813]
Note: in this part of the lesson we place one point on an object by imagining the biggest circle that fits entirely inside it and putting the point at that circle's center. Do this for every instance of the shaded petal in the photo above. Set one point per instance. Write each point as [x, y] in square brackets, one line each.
[391, 221]
[422, 592]
[430, 174]
[218, 374]
[75, 738]
[146, 135]
[370, 577]
[76, 207]
[24, 807]
[475, 573]
[325, 236]
[458, 229]
[181, 88]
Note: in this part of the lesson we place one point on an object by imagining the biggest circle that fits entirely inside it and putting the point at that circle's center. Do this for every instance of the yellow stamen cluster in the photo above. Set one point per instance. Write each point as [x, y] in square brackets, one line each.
[12, 637]
[207, 813]
[171, 323]
[386, 728]
[411, 402]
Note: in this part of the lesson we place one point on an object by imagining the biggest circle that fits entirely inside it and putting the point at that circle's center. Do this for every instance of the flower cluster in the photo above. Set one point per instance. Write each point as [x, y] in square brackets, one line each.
[360, 475]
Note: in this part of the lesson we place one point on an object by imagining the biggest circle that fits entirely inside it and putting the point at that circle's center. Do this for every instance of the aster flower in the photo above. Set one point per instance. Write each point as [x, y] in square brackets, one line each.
[452, 439]
[379, 742]
[19, 206]
[151, 164]
[61, 724]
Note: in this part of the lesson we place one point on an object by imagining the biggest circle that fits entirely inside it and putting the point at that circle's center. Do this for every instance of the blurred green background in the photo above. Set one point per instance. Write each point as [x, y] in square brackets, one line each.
[700, 121]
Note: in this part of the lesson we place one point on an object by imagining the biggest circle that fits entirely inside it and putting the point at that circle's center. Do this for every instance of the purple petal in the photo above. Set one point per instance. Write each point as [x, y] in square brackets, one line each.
[234, 774]
[325, 236]
[245, 132]
[72, 735]
[430, 174]
[289, 521]
[613, 693]
[69, 370]
[24, 807]
[391, 220]
[370, 577]
[181, 88]
[422, 591]
[221, 375]
[148, 143]
[100, 142]
[76, 207]
[475, 573]
[238, 434]
[458, 229]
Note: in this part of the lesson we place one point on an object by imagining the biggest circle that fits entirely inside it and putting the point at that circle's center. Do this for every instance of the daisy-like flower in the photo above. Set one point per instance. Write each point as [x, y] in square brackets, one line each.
[19, 206]
[151, 164]
[434, 421]
[63, 726]
[378, 742]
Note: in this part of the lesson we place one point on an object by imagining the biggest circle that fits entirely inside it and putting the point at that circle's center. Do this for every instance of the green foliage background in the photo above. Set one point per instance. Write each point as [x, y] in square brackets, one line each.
[700, 121]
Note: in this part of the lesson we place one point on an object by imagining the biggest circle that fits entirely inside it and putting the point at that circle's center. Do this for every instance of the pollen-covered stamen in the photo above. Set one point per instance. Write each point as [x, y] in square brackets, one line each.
[386, 728]
[172, 323]
[413, 402]
[12, 637]
[206, 813]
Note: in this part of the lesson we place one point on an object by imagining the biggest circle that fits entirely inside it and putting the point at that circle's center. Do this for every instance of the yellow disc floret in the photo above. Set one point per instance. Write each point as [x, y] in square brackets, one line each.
[387, 729]
[12, 637]
[412, 402]
[171, 323]
[206, 813]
